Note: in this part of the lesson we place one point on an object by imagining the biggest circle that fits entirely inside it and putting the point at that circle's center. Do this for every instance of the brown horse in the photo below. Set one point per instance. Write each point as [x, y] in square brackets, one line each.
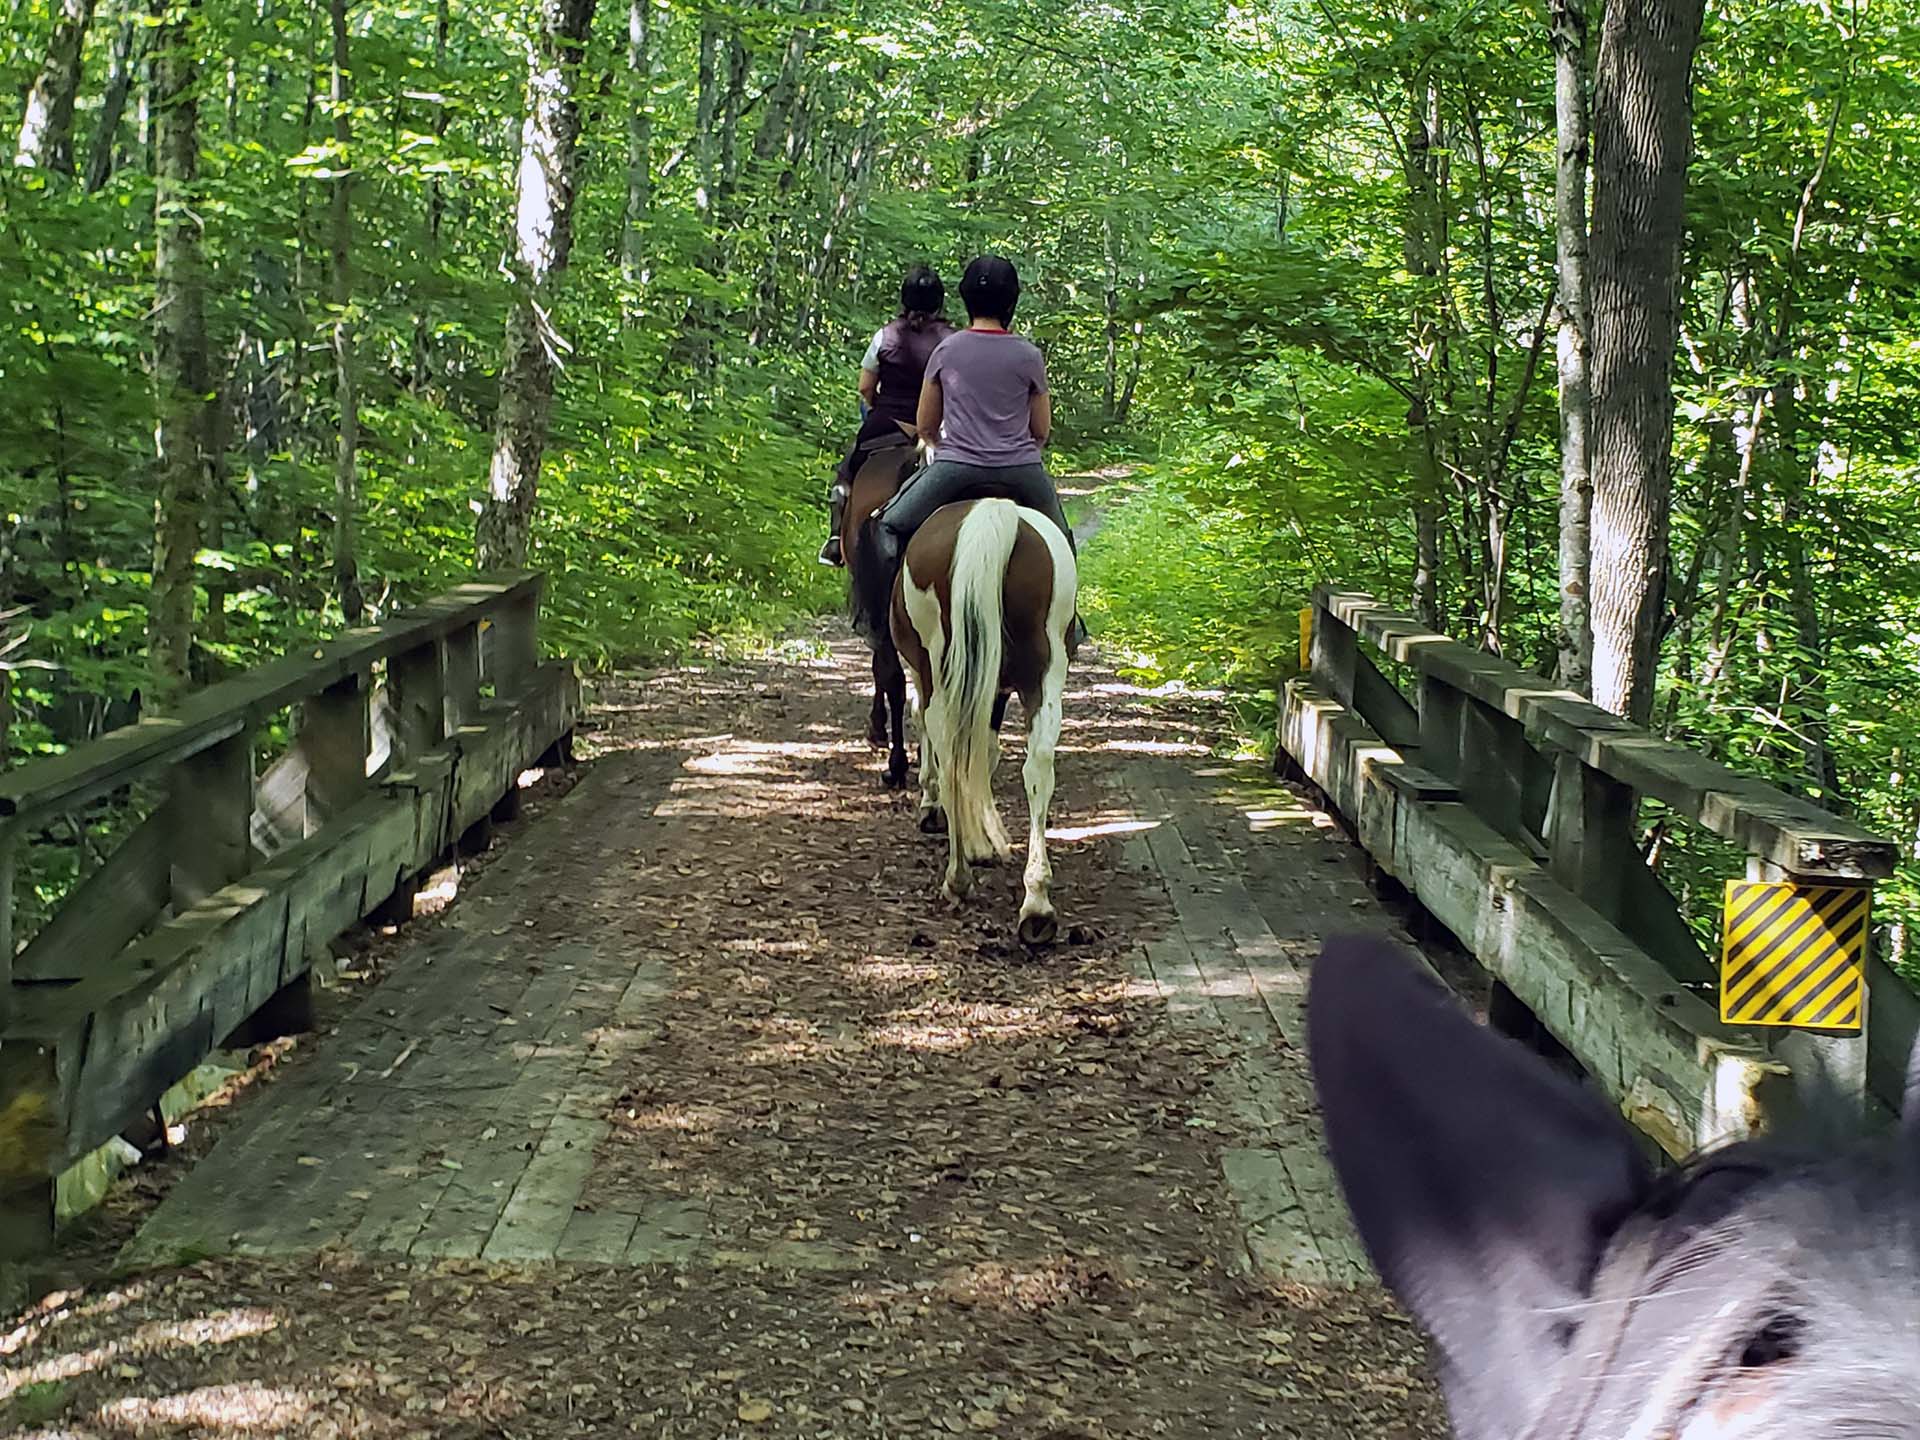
[875, 482]
[980, 610]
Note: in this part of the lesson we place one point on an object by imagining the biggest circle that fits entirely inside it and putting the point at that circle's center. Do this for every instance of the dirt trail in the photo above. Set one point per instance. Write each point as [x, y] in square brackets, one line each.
[851, 1164]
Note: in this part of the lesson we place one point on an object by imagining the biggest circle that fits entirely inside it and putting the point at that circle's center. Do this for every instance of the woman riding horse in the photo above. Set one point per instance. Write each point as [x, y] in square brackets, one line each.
[890, 376]
[986, 410]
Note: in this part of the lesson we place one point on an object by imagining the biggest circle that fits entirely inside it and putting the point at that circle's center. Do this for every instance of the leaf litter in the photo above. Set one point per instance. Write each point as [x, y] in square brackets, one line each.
[928, 1183]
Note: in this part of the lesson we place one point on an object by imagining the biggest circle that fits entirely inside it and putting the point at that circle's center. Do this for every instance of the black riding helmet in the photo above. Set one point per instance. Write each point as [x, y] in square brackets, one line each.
[991, 288]
[922, 292]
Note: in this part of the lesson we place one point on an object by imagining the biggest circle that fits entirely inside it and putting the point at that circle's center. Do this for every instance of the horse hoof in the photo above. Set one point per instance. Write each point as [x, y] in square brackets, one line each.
[1038, 930]
[933, 822]
[896, 777]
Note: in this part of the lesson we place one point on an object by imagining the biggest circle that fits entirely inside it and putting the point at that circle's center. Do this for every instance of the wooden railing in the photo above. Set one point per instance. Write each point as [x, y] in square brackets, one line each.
[406, 737]
[1510, 810]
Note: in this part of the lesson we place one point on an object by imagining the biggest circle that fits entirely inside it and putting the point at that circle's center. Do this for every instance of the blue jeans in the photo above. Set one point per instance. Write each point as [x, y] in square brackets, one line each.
[946, 481]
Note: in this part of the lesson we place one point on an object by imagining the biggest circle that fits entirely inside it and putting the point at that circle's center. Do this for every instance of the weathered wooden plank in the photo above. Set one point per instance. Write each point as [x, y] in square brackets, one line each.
[597, 1237]
[1356, 682]
[537, 1214]
[334, 737]
[461, 676]
[208, 812]
[1655, 1047]
[9, 833]
[1770, 823]
[122, 1038]
[671, 1232]
[494, 1158]
[107, 909]
[416, 697]
[1271, 1216]
[89, 771]
[29, 1148]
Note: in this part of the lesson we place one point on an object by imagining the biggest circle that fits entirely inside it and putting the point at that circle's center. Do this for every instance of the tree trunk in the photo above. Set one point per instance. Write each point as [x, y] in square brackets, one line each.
[543, 236]
[1110, 297]
[705, 107]
[46, 131]
[346, 478]
[1642, 139]
[1574, 135]
[1422, 243]
[436, 204]
[113, 105]
[180, 368]
[639, 139]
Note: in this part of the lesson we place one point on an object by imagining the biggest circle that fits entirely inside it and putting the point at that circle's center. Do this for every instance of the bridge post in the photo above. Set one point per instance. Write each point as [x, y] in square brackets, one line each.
[210, 810]
[461, 675]
[7, 853]
[416, 690]
[334, 739]
[1830, 1079]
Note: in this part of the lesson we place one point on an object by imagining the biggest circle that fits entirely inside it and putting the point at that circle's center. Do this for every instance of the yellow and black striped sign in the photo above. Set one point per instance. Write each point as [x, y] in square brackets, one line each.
[1794, 955]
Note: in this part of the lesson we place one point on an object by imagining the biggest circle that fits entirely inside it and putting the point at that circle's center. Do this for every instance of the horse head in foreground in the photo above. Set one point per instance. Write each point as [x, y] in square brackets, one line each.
[981, 609]
[1752, 1294]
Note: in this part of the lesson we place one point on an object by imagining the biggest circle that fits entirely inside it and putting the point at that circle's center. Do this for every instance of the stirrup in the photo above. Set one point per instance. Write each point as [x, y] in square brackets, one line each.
[831, 553]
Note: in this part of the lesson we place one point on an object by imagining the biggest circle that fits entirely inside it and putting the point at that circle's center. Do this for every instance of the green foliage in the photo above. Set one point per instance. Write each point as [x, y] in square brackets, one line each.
[1237, 261]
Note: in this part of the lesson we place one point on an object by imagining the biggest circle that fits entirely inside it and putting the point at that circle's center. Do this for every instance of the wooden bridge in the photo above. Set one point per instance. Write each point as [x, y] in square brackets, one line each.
[702, 1025]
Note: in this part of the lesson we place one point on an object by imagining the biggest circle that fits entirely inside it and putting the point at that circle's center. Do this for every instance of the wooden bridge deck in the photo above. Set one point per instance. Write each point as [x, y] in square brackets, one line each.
[703, 1017]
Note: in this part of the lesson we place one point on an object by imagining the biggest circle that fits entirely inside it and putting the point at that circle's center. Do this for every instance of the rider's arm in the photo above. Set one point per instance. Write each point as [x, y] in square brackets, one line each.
[1040, 416]
[870, 369]
[932, 410]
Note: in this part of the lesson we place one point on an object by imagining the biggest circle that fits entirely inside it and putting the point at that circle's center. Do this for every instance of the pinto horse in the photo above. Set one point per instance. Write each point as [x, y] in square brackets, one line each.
[1766, 1290]
[875, 482]
[980, 610]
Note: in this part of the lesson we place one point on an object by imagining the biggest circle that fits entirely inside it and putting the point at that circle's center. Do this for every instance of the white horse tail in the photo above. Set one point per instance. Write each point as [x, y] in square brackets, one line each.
[970, 672]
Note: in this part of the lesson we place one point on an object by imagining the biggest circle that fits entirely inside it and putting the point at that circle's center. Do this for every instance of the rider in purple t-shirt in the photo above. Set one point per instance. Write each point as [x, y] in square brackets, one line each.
[986, 407]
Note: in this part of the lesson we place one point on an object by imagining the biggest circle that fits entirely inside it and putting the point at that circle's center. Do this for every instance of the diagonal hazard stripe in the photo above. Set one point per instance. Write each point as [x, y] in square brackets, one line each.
[1770, 974]
[1808, 982]
[1772, 911]
[1767, 934]
[1779, 947]
[1826, 995]
[1744, 900]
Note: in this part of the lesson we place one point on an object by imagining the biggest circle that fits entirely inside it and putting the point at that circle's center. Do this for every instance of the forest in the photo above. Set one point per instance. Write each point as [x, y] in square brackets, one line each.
[308, 307]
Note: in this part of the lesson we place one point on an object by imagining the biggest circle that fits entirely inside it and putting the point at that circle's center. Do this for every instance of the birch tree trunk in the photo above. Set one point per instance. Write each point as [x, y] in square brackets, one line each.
[180, 368]
[543, 237]
[1422, 242]
[1642, 140]
[346, 478]
[1572, 125]
[46, 131]
[633, 261]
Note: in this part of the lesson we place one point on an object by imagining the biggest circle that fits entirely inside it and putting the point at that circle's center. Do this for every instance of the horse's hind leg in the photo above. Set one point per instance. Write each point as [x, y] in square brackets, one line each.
[877, 716]
[896, 695]
[1038, 925]
[933, 820]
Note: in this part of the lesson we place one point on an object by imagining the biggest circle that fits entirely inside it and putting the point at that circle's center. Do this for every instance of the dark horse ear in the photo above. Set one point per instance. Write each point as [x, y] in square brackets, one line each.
[1484, 1183]
[1910, 1101]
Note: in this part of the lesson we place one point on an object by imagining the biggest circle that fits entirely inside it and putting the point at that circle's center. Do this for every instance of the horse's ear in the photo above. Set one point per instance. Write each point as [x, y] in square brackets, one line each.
[1484, 1183]
[907, 428]
[1910, 1101]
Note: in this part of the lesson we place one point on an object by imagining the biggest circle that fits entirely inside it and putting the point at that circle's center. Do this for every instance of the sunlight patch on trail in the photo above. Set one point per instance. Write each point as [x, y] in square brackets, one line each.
[227, 1409]
[1127, 825]
[220, 1328]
